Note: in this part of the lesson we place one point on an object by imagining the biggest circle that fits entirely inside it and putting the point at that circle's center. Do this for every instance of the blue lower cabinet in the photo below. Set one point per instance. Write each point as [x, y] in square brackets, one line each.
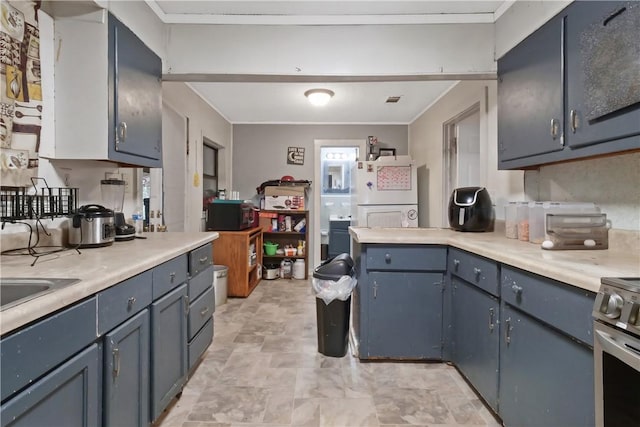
[475, 337]
[69, 396]
[126, 373]
[546, 377]
[405, 315]
[168, 348]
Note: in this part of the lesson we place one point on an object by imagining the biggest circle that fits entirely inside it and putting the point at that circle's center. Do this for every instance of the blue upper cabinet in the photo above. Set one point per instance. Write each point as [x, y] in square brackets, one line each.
[569, 90]
[603, 69]
[530, 95]
[135, 88]
[108, 93]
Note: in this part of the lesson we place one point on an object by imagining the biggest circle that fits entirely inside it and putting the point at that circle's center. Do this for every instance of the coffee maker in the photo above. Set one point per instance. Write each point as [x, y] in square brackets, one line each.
[113, 198]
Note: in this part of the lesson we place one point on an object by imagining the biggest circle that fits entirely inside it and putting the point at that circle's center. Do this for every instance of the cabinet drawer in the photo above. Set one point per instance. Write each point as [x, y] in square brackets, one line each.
[200, 283]
[475, 269]
[200, 258]
[560, 305]
[199, 344]
[200, 311]
[407, 258]
[32, 351]
[118, 303]
[169, 275]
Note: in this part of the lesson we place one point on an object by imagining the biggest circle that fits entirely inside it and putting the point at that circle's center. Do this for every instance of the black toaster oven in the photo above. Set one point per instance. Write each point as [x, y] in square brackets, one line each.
[229, 215]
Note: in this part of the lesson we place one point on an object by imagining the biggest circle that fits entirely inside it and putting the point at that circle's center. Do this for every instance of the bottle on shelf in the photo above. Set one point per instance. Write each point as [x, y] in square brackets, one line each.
[138, 222]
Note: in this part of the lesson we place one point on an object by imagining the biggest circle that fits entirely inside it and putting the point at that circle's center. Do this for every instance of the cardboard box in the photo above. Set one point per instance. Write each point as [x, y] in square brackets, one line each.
[285, 190]
[265, 220]
[284, 203]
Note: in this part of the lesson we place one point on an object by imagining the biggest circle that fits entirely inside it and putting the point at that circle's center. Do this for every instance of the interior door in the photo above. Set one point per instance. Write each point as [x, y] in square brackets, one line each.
[174, 161]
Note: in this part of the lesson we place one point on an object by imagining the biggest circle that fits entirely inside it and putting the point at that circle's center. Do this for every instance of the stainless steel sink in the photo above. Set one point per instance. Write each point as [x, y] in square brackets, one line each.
[14, 291]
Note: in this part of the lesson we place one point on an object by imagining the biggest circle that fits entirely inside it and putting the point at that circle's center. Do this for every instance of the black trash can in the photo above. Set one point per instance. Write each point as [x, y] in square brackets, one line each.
[333, 318]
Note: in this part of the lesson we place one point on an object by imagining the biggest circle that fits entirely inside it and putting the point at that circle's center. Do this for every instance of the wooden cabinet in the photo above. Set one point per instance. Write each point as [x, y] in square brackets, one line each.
[288, 238]
[546, 353]
[241, 252]
[397, 304]
[119, 80]
[552, 85]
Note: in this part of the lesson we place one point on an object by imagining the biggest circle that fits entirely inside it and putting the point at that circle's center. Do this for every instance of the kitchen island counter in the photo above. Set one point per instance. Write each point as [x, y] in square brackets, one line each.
[96, 268]
[580, 268]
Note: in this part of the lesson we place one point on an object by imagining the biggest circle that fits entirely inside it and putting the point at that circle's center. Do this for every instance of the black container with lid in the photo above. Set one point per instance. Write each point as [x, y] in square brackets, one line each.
[470, 209]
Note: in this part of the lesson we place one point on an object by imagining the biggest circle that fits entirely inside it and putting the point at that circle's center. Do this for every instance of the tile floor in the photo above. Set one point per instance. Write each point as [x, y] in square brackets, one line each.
[263, 369]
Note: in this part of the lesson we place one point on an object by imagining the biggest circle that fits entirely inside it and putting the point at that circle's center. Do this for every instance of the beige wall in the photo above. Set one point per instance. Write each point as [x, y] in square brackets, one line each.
[426, 148]
[204, 121]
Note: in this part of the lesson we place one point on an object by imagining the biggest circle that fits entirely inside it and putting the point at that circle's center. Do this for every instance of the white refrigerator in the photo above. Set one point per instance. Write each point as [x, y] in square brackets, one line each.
[385, 192]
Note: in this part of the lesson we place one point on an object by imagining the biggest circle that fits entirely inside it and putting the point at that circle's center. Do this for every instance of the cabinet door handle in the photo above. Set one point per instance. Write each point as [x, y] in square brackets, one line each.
[387, 258]
[203, 260]
[172, 276]
[130, 303]
[554, 128]
[456, 264]
[507, 332]
[116, 362]
[573, 119]
[517, 290]
[122, 131]
[204, 311]
[375, 290]
[477, 272]
[491, 324]
[186, 305]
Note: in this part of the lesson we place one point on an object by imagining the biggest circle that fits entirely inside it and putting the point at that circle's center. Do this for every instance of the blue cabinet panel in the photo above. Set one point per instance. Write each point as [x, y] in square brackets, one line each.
[200, 311]
[200, 343]
[405, 315]
[168, 275]
[475, 338]
[406, 258]
[123, 300]
[475, 269]
[168, 348]
[530, 95]
[69, 396]
[36, 349]
[135, 90]
[126, 373]
[546, 378]
[607, 66]
[560, 305]
[200, 259]
[200, 283]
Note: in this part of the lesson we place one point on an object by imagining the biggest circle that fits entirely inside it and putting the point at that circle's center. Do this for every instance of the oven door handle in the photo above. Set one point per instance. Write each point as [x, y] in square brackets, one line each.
[620, 350]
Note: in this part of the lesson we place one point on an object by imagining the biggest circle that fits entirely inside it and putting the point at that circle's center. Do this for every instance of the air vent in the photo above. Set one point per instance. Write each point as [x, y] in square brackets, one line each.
[392, 99]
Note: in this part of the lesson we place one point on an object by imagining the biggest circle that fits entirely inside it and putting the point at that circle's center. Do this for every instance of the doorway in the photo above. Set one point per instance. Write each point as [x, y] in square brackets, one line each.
[334, 159]
[461, 154]
[171, 179]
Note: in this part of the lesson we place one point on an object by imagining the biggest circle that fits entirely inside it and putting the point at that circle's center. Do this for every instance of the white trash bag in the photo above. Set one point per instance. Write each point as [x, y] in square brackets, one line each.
[329, 290]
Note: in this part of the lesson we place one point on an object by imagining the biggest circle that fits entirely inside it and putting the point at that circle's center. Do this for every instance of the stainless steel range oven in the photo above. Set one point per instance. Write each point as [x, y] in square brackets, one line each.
[616, 354]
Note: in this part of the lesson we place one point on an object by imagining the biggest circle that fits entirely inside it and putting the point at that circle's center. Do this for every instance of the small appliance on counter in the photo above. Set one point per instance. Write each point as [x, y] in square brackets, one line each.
[92, 226]
[230, 215]
[113, 197]
[470, 209]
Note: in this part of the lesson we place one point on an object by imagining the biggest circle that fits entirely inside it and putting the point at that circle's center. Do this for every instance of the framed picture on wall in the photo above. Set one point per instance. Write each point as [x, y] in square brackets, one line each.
[387, 151]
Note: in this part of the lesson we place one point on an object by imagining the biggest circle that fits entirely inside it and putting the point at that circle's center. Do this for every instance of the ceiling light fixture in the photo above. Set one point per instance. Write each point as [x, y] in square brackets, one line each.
[319, 97]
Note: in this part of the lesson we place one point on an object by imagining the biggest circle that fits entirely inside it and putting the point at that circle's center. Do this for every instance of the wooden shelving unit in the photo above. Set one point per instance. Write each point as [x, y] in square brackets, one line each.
[233, 249]
[283, 238]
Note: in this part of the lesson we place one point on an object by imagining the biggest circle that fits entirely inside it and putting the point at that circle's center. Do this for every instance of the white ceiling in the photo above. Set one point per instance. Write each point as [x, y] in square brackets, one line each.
[354, 102]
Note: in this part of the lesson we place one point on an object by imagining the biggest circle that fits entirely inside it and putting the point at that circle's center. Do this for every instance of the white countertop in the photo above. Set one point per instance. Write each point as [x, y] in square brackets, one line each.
[97, 269]
[580, 268]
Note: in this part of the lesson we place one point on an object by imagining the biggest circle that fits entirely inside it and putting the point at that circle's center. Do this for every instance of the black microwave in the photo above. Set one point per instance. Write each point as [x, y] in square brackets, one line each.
[229, 215]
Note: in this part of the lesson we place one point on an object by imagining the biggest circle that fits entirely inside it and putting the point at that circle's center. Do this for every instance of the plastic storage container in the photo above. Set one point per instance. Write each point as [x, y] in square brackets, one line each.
[522, 218]
[576, 231]
[539, 210]
[333, 318]
[298, 269]
[511, 220]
